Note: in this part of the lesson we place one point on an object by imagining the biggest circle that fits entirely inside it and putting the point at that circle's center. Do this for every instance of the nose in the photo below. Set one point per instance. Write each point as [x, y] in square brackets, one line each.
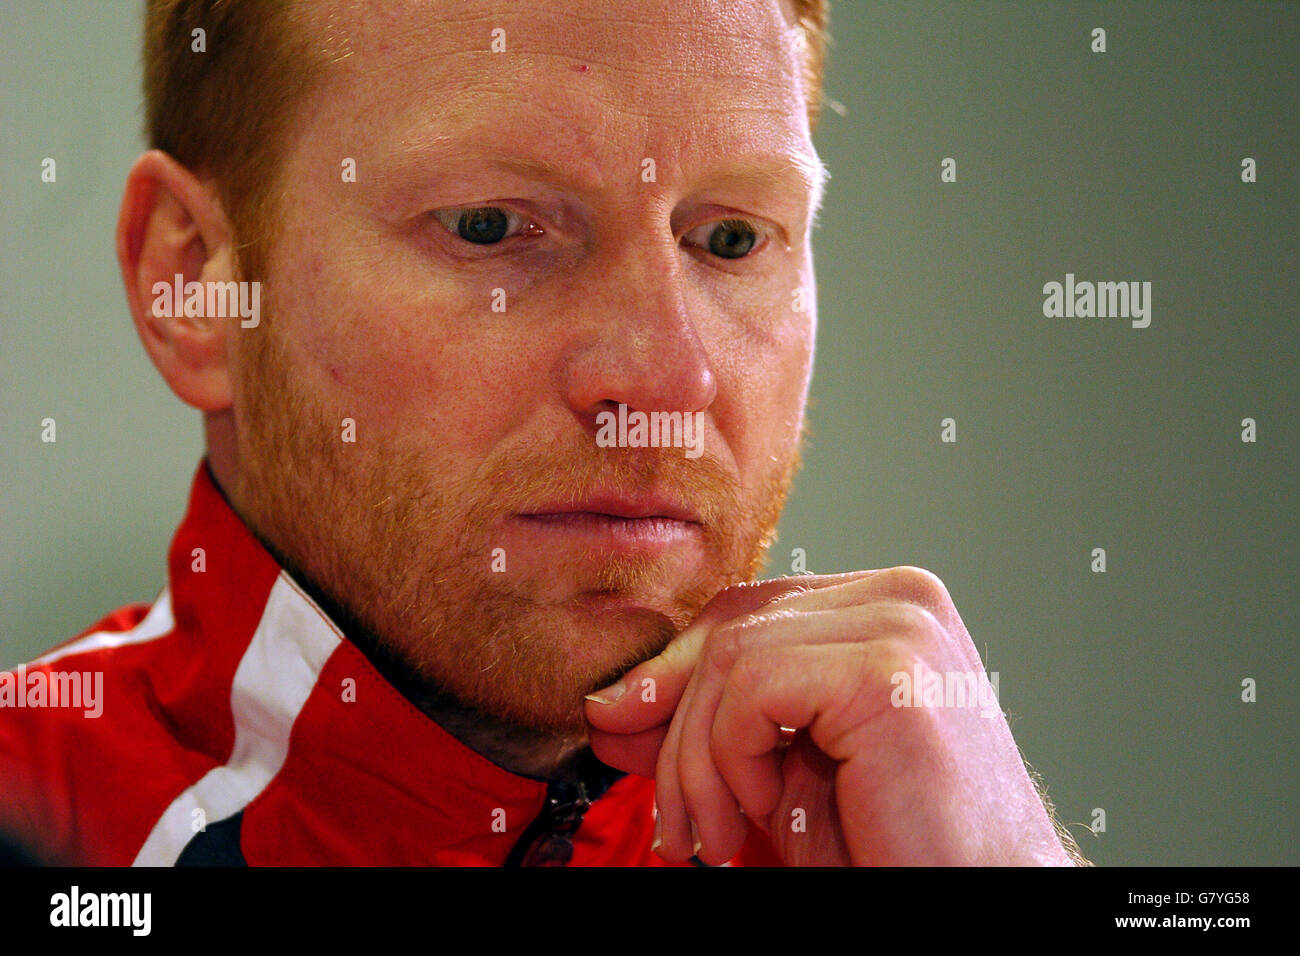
[642, 347]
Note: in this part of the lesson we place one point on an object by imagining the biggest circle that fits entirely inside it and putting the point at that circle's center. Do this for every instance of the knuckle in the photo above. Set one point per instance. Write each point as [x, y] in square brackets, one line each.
[724, 646]
[748, 674]
[892, 658]
[914, 585]
[868, 692]
[915, 620]
[730, 642]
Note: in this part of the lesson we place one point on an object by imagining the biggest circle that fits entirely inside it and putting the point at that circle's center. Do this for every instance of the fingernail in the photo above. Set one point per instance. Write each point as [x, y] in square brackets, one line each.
[610, 694]
[695, 835]
[659, 838]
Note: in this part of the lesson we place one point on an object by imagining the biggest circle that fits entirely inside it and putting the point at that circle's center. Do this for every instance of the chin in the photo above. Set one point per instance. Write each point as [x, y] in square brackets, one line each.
[534, 672]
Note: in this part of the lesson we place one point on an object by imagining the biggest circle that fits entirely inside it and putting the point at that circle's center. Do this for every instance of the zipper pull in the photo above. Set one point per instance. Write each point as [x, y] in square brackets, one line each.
[548, 841]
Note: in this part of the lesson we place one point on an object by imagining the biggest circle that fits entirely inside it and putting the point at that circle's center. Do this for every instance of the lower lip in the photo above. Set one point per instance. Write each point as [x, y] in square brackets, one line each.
[612, 531]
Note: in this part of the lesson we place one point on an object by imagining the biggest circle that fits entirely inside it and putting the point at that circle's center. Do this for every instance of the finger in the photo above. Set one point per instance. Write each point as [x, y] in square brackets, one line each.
[831, 689]
[924, 589]
[711, 804]
[677, 839]
[676, 842]
[720, 826]
[693, 799]
[904, 584]
[703, 810]
[648, 694]
[631, 753]
[663, 682]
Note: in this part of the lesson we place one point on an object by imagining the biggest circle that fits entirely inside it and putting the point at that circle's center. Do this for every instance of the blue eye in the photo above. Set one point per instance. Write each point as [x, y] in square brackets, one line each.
[483, 225]
[730, 238]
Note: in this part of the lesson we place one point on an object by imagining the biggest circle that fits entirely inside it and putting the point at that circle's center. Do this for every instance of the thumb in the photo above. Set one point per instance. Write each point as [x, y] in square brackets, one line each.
[647, 695]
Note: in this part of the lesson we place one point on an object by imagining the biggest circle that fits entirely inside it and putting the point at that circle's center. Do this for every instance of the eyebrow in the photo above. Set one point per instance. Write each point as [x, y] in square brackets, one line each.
[782, 172]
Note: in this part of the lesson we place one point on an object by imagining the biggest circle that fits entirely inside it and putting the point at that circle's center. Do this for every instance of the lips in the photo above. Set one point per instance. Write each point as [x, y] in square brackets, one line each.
[611, 523]
[618, 506]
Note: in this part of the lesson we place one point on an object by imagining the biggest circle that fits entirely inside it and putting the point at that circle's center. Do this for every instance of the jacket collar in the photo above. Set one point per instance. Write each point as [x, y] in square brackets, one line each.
[340, 760]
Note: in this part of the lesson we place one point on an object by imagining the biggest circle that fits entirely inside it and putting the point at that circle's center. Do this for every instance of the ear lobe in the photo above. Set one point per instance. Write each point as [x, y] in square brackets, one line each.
[171, 224]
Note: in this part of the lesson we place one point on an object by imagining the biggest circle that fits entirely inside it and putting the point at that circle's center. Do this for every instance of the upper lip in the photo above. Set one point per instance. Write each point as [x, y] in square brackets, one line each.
[621, 505]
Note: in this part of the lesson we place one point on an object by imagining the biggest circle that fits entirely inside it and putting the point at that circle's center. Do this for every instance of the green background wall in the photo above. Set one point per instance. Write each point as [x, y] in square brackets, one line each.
[1072, 434]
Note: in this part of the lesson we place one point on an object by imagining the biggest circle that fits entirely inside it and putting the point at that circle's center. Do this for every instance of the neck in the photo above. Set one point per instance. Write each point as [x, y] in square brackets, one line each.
[530, 753]
[520, 750]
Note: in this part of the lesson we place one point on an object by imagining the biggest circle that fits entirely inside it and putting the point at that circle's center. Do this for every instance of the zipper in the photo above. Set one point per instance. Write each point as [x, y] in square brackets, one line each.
[548, 840]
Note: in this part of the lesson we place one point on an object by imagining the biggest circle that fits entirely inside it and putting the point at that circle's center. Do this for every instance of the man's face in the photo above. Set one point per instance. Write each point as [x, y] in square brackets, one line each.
[475, 524]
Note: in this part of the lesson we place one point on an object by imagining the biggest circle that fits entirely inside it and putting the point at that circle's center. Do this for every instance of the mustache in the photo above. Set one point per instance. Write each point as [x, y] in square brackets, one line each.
[574, 468]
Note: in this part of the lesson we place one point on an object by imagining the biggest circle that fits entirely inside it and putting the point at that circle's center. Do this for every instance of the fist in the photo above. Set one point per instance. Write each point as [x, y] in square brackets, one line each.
[848, 716]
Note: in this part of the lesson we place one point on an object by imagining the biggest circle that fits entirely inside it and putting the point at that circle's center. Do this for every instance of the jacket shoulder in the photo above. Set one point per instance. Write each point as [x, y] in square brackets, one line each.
[82, 736]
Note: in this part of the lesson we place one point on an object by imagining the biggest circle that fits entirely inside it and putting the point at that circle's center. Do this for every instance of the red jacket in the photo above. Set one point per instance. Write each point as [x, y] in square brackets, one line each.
[238, 725]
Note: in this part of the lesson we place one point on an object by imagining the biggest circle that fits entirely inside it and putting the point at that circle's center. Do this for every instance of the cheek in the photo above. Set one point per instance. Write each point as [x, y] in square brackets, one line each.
[764, 375]
[785, 395]
[418, 367]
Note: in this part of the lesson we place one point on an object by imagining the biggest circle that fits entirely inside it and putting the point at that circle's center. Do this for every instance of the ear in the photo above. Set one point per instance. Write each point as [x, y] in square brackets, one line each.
[172, 224]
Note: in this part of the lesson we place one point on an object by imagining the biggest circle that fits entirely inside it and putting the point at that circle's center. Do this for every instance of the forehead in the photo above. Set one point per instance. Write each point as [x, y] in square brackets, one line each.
[647, 77]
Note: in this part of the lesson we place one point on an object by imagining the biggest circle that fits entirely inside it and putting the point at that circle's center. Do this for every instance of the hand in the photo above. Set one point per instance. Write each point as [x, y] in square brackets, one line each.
[864, 779]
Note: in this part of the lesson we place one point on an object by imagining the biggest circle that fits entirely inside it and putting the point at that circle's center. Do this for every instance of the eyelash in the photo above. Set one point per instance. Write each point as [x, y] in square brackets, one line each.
[452, 217]
[449, 219]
